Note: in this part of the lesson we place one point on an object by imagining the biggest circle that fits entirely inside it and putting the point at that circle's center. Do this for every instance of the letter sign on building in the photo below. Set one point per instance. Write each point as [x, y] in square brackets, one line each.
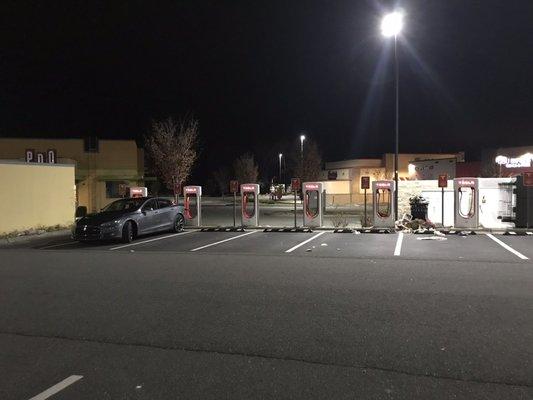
[40, 158]
[30, 155]
[51, 156]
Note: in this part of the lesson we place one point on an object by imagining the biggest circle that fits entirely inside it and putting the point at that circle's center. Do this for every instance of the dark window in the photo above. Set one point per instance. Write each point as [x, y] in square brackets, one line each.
[150, 205]
[163, 203]
[112, 190]
[90, 144]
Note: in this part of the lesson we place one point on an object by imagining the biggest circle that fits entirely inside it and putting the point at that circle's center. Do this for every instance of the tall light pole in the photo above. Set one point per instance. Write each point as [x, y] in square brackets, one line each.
[391, 26]
[280, 157]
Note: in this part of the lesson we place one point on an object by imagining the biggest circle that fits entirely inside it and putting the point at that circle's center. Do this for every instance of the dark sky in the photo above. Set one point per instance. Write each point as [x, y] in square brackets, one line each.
[257, 73]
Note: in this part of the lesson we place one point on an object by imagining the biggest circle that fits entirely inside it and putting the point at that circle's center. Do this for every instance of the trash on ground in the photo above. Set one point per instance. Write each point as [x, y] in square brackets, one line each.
[324, 244]
[308, 249]
[431, 238]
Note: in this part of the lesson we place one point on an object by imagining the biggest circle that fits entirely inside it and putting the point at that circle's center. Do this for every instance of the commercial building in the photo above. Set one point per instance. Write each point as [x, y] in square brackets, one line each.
[36, 195]
[102, 167]
[344, 177]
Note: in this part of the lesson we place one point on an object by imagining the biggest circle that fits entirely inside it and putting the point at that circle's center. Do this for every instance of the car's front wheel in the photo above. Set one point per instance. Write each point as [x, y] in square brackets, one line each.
[179, 222]
[127, 232]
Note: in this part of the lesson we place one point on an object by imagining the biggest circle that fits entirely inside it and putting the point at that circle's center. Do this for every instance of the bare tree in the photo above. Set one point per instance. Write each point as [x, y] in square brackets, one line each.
[308, 167]
[222, 177]
[173, 149]
[245, 169]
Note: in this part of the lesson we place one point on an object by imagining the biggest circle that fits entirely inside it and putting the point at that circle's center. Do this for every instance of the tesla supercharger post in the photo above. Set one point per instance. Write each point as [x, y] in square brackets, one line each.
[250, 204]
[192, 205]
[466, 203]
[313, 206]
[383, 204]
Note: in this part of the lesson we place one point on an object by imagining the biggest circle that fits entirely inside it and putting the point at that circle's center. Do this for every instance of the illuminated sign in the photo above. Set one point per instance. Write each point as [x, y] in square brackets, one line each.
[311, 186]
[191, 190]
[466, 182]
[384, 185]
[524, 161]
[248, 188]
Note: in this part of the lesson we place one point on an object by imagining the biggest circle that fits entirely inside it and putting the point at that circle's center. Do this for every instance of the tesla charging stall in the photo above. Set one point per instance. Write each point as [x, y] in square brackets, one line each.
[313, 207]
[250, 204]
[382, 199]
[466, 203]
[193, 205]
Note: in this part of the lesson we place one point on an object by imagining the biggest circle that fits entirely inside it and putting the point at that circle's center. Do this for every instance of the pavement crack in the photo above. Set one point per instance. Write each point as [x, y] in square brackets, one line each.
[268, 357]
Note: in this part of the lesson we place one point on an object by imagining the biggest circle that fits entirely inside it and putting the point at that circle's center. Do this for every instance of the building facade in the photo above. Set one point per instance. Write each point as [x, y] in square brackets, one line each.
[376, 168]
[102, 167]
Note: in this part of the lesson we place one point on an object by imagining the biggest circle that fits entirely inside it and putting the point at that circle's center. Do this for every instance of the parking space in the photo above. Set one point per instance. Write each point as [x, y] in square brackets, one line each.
[481, 247]
[522, 244]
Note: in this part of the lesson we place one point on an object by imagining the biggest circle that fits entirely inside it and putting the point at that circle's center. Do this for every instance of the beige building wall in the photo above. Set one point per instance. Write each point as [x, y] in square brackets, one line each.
[114, 161]
[35, 195]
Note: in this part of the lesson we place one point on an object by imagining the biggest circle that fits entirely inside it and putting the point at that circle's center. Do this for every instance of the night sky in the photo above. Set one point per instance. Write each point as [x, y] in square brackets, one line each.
[257, 73]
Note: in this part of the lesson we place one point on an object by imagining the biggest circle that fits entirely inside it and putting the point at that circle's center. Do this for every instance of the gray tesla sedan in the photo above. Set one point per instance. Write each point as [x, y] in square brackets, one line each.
[126, 219]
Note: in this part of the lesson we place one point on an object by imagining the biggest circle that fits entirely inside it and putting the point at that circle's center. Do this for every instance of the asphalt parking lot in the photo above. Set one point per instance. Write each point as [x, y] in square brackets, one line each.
[479, 247]
[242, 315]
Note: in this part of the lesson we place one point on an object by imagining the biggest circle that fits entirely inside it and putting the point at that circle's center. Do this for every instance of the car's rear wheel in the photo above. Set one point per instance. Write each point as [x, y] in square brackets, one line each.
[179, 222]
[127, 232]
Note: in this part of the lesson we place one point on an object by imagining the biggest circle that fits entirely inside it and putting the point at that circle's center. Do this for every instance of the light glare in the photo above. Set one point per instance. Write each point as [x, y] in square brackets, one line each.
[392, 24]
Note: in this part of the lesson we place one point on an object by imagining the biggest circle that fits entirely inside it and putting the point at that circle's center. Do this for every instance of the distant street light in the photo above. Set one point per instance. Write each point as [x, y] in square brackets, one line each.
[302, 138]
[280, 156]
[391, 26]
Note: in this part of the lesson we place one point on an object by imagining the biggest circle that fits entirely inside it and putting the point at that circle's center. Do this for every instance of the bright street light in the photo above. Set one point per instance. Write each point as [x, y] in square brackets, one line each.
[392, 24]
[302, 138]
[280, 156]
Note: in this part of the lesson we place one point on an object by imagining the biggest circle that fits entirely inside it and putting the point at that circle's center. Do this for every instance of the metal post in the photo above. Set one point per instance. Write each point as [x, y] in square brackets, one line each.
[397, 129]
[295, 224]
[234, 209]
[364, 221]
[442, 207]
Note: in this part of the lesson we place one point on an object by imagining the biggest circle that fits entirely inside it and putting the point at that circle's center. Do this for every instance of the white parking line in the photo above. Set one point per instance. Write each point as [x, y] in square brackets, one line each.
[153, 240]
[57, 388]
[304, 242]
[398, 248]
[507, 247]
[223, 241]
[56, 245]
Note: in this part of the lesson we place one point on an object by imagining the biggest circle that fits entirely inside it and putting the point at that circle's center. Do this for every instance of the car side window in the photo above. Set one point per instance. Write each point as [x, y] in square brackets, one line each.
[164, 203]
[149, 206]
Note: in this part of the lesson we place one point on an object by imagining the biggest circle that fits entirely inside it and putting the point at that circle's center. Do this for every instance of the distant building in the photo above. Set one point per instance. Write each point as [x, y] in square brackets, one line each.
[348, 173]
[102, 167]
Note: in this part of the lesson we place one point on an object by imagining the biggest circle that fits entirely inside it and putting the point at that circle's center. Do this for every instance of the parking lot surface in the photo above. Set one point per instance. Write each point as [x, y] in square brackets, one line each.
[480, 247]
[208, 315]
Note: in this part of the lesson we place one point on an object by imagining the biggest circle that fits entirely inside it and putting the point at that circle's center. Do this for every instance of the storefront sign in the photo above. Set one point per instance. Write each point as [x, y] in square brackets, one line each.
[523, 161]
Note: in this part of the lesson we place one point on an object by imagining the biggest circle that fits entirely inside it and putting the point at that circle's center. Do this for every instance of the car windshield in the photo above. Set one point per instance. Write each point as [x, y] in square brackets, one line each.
[124, 205]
